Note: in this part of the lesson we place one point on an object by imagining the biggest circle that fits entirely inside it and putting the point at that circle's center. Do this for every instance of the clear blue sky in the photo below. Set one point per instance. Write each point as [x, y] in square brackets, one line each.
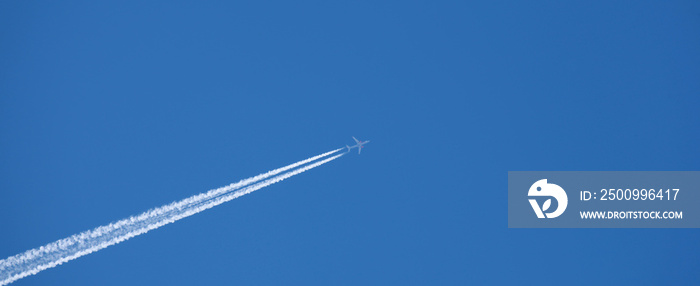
[109, 109]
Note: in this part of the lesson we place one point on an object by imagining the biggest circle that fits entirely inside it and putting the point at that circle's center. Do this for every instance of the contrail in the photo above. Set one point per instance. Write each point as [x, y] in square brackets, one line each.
[178, 205]
[56, 253]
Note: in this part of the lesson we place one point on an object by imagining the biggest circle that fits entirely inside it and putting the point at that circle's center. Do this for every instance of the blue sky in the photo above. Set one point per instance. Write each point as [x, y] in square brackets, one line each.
[109, 109]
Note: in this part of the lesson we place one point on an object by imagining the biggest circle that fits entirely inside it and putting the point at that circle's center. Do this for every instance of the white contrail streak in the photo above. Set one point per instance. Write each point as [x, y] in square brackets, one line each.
[56, 253]
[178, 205]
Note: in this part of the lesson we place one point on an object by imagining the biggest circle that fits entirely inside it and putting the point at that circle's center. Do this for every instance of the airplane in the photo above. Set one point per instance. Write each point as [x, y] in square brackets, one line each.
[358, 145]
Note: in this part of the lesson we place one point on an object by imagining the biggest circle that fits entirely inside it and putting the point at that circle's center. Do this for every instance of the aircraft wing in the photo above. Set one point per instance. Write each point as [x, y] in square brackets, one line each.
[359, 149]
[356, 141]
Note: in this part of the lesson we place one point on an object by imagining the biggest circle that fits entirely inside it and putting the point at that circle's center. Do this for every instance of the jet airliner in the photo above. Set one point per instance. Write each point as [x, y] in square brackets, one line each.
[358, 145]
